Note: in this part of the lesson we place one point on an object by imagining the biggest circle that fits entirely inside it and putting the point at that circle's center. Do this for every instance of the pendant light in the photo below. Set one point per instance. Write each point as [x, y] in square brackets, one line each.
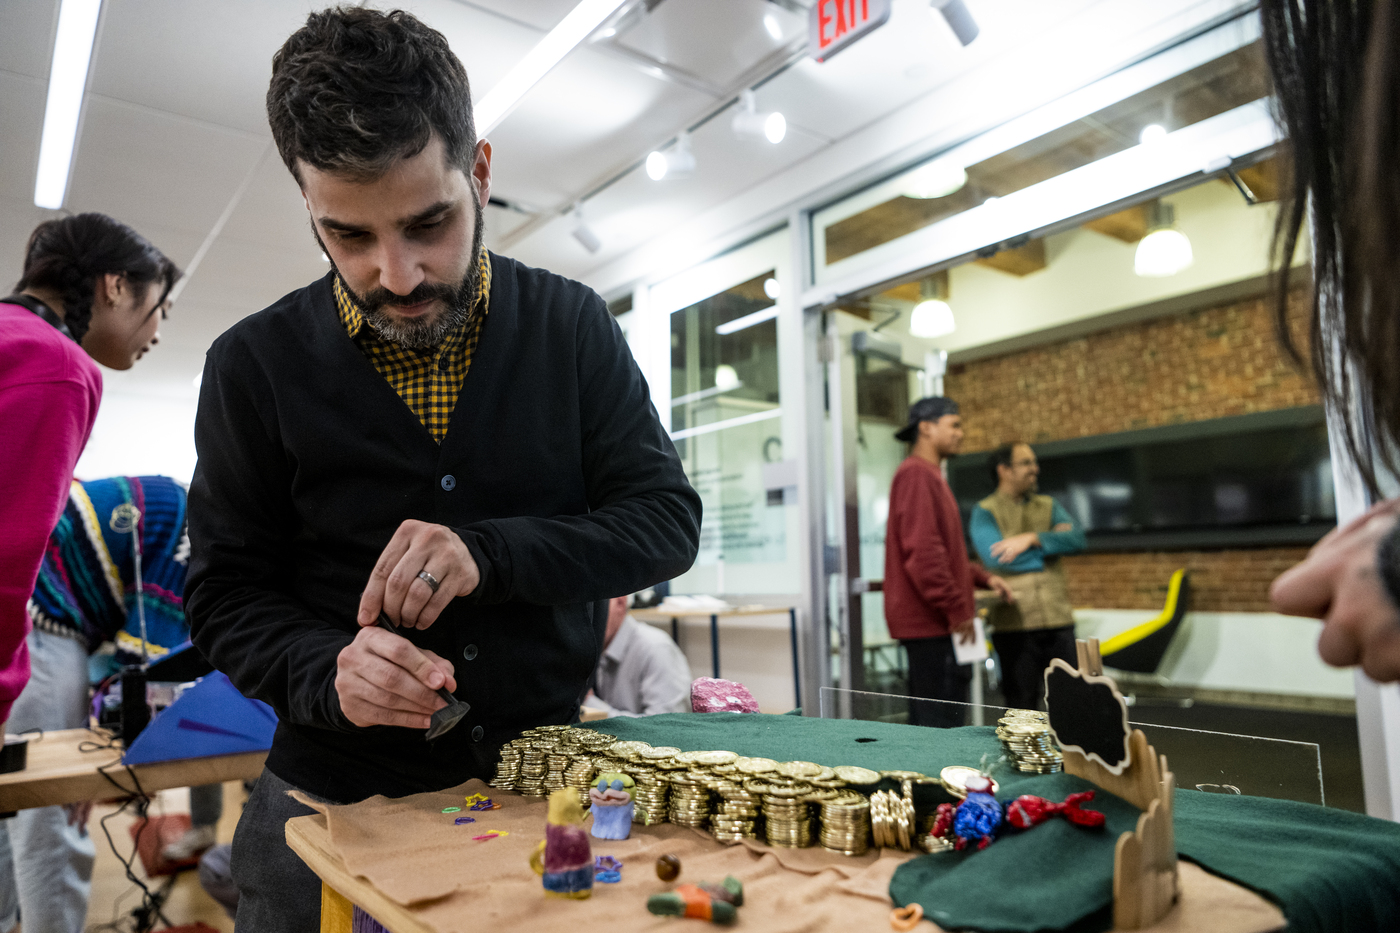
[933, 316]
[1165, 250]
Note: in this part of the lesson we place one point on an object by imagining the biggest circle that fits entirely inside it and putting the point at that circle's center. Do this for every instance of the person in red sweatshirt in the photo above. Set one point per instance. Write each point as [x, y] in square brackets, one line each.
[929, 580]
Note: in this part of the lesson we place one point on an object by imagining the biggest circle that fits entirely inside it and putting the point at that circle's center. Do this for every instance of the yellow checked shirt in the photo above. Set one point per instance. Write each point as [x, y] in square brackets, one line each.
[430, 379]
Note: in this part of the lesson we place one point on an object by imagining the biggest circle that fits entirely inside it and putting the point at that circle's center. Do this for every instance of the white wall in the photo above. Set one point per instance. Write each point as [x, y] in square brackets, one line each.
[141, 431]
[1256, 652]
[753, 650]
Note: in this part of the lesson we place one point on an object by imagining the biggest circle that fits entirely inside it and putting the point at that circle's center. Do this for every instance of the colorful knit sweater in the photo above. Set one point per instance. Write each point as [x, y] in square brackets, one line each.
[87, 582]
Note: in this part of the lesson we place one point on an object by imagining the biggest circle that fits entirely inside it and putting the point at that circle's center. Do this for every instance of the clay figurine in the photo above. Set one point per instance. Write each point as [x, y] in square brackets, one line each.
[564, 858]
[612, 805]
[713, 902]
[977, 818]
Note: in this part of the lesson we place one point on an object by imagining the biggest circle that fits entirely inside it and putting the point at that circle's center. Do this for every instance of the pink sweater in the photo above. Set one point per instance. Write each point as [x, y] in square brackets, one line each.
[49, 392]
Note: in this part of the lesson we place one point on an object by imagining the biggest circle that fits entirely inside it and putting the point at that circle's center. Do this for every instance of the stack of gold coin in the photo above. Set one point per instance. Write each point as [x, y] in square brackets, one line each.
[508, 768]
[579, 774]
[690, 799]
[845, 823]
[556, 762]
[787, 816]
[649, 797]
[658, 756]
[532, 770]
[735, 815]
[1025, 734]
[892, 820]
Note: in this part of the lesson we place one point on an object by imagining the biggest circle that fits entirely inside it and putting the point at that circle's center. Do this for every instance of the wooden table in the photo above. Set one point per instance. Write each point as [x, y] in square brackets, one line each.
[660, 614]
[60, 771]
[310, 838]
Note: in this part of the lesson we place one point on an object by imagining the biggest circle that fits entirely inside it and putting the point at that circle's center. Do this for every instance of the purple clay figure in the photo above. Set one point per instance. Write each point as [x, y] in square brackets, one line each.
[564, 858]
[978, 816]
[612, 805]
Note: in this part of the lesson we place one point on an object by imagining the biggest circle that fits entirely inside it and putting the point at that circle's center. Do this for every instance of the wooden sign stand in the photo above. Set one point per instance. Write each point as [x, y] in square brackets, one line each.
[1144, 863]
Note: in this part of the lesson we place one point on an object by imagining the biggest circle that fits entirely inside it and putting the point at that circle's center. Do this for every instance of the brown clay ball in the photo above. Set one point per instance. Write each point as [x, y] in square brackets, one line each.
[668, 868]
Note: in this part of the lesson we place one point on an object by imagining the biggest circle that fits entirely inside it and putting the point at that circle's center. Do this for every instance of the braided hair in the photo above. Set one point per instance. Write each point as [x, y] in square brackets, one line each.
[68, 255]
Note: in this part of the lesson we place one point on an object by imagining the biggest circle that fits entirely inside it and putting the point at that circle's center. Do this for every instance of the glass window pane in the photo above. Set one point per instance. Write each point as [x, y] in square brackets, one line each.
[937, 190]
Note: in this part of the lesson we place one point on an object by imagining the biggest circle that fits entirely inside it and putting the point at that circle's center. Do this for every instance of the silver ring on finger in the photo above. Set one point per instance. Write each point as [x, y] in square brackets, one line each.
[429, 579]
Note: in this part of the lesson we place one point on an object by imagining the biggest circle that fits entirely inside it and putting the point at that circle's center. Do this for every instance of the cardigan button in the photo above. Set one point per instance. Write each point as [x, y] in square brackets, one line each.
[449, 482]
[478, 733]
[469, 652]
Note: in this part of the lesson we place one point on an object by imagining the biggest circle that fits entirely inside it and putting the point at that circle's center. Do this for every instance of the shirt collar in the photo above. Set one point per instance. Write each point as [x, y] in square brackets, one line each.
[353, 319]
[617, 648]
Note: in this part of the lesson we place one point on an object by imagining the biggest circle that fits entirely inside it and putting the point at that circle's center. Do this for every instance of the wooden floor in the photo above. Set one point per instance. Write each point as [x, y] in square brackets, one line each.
[113, 895]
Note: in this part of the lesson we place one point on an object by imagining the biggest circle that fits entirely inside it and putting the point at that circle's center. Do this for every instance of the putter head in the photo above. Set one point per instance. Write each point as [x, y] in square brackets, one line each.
[446, 719]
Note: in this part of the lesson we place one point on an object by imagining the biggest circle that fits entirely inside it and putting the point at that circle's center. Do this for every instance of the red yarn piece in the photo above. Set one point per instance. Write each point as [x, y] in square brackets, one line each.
[1028, 810]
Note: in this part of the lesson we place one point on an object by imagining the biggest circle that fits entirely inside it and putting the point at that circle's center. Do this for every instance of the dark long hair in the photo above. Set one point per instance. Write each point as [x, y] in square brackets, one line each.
[1336, 71]
[355, 90]
[69, 255]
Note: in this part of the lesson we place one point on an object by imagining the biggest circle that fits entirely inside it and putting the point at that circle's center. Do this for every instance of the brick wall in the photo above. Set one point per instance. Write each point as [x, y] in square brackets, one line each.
[1192, 367]
[1204, 364]
[1221, 581]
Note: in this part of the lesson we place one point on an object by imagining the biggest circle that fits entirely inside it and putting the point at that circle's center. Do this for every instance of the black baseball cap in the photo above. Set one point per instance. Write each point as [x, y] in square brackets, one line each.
[925, 409]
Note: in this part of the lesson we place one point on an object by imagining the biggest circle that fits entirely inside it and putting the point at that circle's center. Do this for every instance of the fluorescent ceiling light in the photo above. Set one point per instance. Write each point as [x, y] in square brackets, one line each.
[539, 61]
[72, 53]
[748, 320]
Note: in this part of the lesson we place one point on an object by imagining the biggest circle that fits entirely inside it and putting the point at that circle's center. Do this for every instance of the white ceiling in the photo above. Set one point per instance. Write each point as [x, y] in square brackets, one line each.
[174, 124]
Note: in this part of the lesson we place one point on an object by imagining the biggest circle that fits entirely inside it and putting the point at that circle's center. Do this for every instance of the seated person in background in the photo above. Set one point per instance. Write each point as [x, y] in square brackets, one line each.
[1021, 535]
[641, 671]
[84, 598]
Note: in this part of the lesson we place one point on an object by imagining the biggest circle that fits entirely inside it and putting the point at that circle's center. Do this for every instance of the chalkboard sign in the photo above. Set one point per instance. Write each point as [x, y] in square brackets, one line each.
[1088, 715]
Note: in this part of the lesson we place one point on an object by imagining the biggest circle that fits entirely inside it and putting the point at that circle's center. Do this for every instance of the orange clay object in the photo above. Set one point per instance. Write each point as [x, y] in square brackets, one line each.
[697, 901]
[904, 919]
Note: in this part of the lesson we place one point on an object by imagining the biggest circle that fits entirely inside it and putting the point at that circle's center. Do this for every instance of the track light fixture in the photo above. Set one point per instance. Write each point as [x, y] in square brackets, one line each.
[584, 233]
[959, 19]
[751, 124]
[678, 163]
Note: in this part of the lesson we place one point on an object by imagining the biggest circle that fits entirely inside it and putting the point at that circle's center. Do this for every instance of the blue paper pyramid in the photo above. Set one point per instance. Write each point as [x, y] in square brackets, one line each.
[210, 718]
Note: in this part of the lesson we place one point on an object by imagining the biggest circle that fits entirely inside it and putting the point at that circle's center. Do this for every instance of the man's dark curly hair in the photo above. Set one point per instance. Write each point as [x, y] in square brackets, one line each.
[355, 90]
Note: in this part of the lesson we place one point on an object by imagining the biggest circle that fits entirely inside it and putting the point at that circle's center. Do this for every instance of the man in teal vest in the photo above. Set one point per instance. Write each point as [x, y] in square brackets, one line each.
[1021, 535]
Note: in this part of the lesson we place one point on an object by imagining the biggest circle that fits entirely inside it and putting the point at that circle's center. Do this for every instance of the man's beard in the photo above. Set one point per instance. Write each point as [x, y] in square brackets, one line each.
[427, 331]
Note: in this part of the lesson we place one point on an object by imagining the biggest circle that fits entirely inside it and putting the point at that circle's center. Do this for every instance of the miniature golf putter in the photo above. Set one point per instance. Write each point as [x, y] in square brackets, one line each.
[446, 718]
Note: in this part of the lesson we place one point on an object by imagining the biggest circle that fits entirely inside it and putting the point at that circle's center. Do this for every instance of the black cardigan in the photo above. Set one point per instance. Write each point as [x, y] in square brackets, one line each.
[555, 472]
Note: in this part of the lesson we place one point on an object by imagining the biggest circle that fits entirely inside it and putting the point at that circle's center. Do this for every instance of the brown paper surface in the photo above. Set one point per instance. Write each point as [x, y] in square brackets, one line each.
[414, 854]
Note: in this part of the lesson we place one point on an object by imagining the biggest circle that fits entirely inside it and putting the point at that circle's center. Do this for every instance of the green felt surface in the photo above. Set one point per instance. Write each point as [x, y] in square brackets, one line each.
[1330, 870]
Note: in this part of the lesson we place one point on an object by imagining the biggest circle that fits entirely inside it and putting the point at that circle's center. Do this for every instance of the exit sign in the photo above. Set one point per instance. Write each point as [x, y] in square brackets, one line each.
[834, 24]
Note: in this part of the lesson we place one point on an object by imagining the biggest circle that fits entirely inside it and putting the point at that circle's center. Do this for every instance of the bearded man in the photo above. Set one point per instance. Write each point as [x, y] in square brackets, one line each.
[432, 432]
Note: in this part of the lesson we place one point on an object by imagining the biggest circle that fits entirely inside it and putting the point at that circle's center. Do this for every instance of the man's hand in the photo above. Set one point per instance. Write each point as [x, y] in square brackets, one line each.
[966, 632]
[1008, 549]
[1340, 583]
[78, 814]
[383, 679]
[395, 586]
[1003, 589]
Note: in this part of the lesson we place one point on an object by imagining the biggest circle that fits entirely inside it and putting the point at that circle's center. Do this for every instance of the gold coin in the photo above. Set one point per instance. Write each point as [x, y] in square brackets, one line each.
[852, 774]
[902, 775]
[799, 769]
[755, 765]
